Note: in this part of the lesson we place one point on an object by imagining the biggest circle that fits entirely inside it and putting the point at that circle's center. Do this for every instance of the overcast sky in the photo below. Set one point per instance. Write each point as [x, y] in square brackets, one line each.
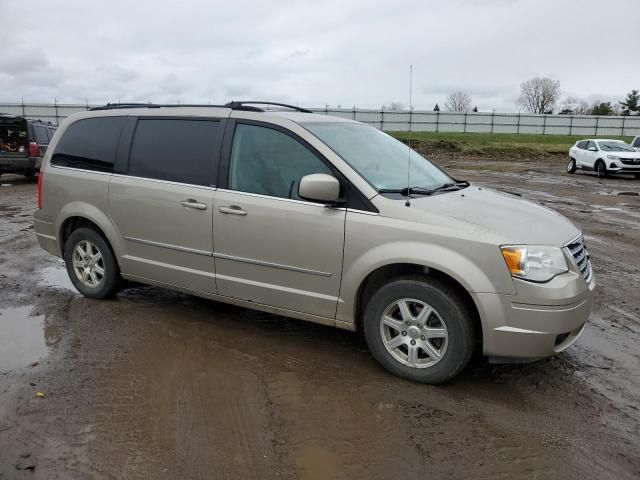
[317, 52]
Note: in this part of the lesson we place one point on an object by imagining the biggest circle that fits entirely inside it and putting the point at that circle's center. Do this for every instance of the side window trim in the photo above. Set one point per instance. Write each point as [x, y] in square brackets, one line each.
[355, 198]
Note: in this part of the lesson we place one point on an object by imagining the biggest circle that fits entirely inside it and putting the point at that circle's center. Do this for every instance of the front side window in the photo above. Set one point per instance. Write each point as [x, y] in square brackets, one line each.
[270, 162]
[89, 144]
[379, 158]
[582, 145]
[591, 145]
[176, 150]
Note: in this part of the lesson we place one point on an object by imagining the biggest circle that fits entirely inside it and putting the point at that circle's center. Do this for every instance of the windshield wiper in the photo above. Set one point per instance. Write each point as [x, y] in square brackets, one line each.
[447, 187]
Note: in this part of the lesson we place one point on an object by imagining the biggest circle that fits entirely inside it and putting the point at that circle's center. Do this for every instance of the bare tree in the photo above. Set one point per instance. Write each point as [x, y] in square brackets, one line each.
[458, 102]
[539, 95]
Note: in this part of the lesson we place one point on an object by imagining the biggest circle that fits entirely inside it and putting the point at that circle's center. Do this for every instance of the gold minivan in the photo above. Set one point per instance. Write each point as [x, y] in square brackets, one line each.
[313, 217]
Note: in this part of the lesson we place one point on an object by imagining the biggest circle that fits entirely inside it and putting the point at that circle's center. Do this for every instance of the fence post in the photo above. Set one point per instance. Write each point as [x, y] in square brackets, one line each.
[493, 114]
[544, 123]
[382, 120]
[354, 112]
[437, 121]
[624, 117]
[55, 105]
[22, 102]
[571, 125]
[518, 129]
[465, 122]
[597, 123]
[410, 119]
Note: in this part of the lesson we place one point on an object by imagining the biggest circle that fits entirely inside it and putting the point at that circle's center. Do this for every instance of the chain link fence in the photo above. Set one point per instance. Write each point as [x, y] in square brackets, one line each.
[415, 120]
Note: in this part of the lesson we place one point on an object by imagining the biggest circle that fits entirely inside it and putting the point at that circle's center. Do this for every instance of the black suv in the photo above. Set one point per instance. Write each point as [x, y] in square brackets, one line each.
[23, 144]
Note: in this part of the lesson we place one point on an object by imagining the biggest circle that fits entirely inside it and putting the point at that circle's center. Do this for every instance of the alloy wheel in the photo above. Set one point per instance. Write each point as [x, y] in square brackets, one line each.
[88, 264]
[414, 333]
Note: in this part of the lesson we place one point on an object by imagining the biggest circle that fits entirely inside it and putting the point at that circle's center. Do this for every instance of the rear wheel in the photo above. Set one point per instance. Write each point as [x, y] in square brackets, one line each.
[571, 166]
[601, 169]
[91, 264]
[419, 329]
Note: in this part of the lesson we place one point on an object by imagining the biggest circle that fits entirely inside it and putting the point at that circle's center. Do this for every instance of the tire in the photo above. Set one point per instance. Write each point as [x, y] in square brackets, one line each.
[601, 169]
[450, 321]
[96, 284]
[571, 166]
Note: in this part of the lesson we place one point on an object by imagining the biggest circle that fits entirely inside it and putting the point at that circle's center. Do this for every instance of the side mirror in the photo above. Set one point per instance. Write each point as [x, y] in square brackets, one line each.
[319, 187]
[593, 149]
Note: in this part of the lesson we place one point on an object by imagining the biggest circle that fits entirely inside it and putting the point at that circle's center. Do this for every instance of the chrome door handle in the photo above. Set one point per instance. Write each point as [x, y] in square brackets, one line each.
[191, 203]
[232, 210]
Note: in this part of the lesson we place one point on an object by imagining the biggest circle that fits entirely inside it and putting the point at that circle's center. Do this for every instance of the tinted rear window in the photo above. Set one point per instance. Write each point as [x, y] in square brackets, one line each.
[177, 150]
[89, 144]
[40, 134]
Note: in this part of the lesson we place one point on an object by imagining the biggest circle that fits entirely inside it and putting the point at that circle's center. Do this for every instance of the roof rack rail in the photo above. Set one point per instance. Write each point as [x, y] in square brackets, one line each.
[246, 105]
[235, 105]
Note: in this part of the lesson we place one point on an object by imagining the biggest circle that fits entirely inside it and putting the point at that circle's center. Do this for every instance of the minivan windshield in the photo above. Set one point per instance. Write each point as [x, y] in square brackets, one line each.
[379, 158]
[615, 146]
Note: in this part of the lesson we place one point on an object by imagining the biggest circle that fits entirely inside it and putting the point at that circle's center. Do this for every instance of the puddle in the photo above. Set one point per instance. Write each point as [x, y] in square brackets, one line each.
[22, 339]
[57, 277]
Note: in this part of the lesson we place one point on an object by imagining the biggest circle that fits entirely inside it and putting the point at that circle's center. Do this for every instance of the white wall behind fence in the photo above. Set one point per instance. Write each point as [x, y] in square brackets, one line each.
[417, 121]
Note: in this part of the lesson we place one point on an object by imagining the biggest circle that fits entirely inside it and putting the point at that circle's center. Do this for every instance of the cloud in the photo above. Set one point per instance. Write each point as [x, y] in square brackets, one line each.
[311, 52]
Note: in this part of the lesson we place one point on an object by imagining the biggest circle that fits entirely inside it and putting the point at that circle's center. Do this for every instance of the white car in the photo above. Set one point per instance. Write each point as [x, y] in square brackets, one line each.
[604, 156]
[635, 143]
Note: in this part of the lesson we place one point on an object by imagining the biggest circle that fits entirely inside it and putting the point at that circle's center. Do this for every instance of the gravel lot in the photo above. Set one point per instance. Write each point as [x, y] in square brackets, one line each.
[156, 384]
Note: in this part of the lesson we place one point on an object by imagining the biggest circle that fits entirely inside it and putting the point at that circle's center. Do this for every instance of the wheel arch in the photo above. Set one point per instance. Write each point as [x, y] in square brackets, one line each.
[79, 215]
[387, 273]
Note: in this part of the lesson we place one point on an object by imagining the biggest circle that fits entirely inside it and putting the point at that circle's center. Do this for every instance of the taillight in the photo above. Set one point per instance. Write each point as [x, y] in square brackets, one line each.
[34, 149]
[40, 185]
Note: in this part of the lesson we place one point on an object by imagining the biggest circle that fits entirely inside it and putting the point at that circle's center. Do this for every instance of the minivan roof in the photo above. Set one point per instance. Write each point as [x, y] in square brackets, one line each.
[292, 113]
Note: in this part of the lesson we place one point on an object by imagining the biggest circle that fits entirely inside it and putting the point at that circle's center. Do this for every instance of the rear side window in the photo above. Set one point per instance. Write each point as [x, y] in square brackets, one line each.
[176, 150]
[636, 143]
[40, 134]
[89, 144]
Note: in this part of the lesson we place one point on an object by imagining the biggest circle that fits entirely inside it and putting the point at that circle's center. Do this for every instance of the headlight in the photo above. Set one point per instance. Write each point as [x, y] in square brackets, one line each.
[535, 263]
[613, 157]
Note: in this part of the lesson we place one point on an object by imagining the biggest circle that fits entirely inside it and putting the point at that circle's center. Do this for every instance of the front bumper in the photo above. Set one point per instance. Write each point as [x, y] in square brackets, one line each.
[514, 330]
[619, 167]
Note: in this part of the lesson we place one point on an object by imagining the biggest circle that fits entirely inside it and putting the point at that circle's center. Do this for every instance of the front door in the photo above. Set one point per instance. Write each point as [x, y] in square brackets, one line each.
[163, 206]
[272, 247]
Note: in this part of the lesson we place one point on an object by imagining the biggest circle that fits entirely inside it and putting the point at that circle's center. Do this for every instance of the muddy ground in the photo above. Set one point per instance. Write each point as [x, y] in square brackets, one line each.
[156, 384]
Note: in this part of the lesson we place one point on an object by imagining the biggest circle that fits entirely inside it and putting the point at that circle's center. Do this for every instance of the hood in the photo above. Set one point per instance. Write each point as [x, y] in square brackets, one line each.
[508, 218]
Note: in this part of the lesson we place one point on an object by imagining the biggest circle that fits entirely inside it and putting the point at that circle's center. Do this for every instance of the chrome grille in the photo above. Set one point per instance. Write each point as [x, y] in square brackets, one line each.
[581, 256]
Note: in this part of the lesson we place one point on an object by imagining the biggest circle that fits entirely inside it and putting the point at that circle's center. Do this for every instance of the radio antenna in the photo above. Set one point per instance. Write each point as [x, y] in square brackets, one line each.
[408, 202]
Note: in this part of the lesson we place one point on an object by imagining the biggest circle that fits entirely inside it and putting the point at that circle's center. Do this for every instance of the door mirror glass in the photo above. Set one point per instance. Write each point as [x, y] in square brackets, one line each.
[593, 149]
[319, 187]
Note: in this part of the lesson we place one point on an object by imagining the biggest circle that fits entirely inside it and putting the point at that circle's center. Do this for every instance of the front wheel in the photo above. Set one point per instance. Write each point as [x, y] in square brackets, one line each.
[91, 264]
[419, 329]
[571, 166]
[601, 169]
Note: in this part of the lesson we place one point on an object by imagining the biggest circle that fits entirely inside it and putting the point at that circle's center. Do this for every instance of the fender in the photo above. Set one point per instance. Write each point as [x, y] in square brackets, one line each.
[467, 273]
